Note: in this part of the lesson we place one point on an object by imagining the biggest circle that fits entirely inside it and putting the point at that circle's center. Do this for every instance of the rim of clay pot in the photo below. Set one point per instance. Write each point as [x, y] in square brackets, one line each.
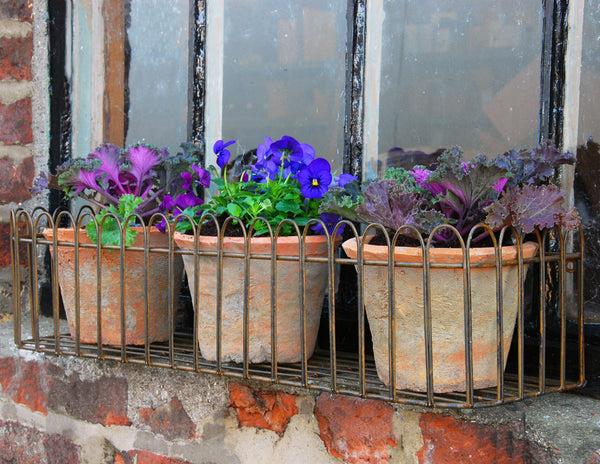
[186, 240]
[281, 240]
[67, 234]
[437, 255]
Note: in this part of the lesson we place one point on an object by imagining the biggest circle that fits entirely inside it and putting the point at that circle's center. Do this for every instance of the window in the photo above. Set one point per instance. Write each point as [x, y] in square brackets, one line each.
[416, 75]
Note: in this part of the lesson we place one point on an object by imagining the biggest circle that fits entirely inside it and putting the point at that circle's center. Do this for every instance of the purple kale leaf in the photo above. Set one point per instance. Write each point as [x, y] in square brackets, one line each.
[389, 203]
[531, 206]
[534, 165]
[464, 188]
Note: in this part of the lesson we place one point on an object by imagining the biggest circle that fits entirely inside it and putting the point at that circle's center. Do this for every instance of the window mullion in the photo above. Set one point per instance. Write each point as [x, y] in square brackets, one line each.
[355, 59]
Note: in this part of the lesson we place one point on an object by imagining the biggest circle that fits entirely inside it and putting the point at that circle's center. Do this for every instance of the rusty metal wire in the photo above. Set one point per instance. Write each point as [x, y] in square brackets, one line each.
[546, 351]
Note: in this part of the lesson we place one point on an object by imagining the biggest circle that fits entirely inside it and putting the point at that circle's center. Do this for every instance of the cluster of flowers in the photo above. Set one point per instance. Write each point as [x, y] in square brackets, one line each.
[286, 181]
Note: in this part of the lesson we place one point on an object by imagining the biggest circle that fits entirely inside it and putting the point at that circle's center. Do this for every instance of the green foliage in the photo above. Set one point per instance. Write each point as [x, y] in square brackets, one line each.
[273, 201]
[111, 234]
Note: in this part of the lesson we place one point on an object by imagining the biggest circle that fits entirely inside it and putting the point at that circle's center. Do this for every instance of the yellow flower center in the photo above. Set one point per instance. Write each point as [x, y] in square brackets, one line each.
[315, 183]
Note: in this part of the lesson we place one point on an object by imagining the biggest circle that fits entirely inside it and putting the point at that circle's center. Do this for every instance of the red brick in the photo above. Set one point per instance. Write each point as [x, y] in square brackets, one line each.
[262, 409]
[594, 458]
[61, 450]
[102, 401]
[27, 387]
[27, 445]
[447, 440]
[15, 128]
[16, 180]
[16, 9]
[169, 420]
[356, 430]
[15, 57]
[5, 256]
[145, 457]
[7, 372]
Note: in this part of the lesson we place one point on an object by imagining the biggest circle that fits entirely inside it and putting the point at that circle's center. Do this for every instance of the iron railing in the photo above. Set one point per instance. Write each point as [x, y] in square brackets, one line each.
[546, 348]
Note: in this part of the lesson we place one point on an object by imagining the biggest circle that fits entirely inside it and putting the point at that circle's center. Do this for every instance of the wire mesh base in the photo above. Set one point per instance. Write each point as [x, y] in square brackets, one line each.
[319, 374]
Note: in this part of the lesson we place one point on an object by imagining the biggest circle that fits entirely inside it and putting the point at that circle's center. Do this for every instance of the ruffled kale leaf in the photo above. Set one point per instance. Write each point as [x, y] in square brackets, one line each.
[531, 206]
[343, 201]
[393, 205]
[463, 188]
[533, 165]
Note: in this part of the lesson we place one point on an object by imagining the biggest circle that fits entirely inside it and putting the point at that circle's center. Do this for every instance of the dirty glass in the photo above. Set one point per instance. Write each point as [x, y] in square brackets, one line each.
[589, 101]
[587, 193]
[284, 73]
[451, 73]
[159, 69]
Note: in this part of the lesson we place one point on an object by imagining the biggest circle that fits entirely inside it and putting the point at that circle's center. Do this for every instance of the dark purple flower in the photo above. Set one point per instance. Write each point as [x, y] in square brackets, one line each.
[245, 177]
[203, 175]
[223, 155]
[187, 200]
[288, 148]
[330, 220]
[268, 161]
[167, 204]
[187, 180]
[315, 178]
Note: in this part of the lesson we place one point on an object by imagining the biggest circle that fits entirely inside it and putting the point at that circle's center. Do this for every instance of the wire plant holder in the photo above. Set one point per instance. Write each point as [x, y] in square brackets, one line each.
[546, 352]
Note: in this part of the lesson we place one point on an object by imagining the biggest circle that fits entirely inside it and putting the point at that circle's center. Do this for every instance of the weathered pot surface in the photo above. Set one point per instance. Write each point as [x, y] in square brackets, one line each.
[447, 310]
[158, 284]
[288, 297]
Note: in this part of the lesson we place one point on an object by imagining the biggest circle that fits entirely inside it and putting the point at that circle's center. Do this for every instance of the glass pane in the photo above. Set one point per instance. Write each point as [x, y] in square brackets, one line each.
[589, 102]
[587, 191]
[158, 78]
[283, 73]
[453, 73]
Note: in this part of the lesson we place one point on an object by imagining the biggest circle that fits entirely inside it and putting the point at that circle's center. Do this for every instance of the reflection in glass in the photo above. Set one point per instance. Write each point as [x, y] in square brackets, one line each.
[454, 73]
[284, 73]
[158, 77]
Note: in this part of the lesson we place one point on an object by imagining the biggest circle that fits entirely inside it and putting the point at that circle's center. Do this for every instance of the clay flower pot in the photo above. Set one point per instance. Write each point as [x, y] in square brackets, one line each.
[447, 309]
[158, 284]
[288, 297]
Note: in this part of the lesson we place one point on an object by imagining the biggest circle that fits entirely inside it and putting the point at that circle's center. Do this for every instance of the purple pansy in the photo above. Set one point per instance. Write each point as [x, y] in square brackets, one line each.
[203, 175]
[223, 155]
[345, 179]
[315, 178]
[330, 220]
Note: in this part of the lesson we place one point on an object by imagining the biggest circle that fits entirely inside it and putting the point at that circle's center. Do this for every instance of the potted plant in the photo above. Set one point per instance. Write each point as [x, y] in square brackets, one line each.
[443, 206]
[125, 188]
[278, 190]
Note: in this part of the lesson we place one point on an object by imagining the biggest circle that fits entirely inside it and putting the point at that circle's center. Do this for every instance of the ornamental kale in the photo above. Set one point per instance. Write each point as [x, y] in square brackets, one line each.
[508, 190]
[134, 180]
[286, 181]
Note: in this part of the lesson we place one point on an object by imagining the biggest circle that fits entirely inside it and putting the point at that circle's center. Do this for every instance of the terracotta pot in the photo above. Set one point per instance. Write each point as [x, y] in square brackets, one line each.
[158, 282]
[288, 297]
[447, 309]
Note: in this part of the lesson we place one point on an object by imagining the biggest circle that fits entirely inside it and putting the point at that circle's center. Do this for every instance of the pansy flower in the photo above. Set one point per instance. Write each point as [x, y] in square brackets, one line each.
[315, 178]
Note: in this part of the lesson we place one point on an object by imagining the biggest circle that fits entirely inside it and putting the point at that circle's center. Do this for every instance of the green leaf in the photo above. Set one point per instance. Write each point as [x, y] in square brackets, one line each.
[234, 209]
[288, 206]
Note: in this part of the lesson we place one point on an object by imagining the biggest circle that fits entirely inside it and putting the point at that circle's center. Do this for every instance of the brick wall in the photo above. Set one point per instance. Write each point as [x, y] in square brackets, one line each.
[16, 133]
[78, 411]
